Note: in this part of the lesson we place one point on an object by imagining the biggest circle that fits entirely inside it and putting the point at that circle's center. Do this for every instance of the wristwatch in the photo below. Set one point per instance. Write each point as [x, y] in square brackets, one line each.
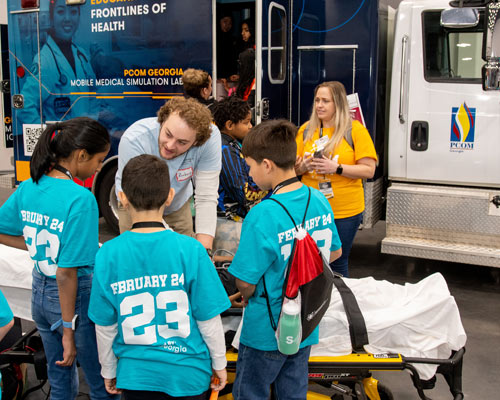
[71, 324]
[210, 252]
[339, 170]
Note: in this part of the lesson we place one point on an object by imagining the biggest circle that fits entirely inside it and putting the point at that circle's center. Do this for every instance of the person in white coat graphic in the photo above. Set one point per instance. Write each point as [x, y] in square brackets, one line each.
[51, 89]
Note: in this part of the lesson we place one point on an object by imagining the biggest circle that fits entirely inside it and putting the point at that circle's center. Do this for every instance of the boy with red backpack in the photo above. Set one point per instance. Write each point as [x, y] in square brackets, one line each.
[261, 260]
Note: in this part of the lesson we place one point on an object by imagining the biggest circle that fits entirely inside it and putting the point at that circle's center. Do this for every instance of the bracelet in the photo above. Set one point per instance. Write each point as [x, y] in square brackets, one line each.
[71, 324]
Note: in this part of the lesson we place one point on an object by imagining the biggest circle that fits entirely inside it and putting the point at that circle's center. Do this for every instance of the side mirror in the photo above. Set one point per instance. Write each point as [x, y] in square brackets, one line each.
[459, 18]
[491, 48]
[491, 76]
[492, 32]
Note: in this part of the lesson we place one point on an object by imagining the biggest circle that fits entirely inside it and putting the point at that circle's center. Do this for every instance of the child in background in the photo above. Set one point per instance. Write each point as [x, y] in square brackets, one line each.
[237, 191]
[265, 246]
[156, 300]
[198, 85]
[59, 222]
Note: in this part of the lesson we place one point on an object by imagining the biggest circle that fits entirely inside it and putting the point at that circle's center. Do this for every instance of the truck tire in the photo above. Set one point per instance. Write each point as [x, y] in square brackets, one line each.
[107, 201]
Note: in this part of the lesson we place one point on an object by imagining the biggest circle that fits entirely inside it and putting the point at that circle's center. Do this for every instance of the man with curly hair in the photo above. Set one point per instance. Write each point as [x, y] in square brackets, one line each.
[183, 136]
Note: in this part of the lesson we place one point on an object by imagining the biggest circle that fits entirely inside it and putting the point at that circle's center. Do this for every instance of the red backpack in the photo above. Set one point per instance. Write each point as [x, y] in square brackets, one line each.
[308, 272]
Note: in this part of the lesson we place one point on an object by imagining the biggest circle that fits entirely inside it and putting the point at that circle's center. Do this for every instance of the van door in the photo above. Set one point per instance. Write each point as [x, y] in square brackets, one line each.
[23, 33]
[273, 46]
[6, 151]
[453, 124]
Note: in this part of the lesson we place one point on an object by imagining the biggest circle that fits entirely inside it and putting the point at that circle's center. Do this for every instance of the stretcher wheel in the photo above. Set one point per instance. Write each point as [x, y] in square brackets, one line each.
[384, 392]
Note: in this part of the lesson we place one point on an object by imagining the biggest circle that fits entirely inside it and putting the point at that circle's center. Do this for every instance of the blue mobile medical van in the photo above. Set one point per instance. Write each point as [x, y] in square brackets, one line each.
[127, 58]
[418, 78]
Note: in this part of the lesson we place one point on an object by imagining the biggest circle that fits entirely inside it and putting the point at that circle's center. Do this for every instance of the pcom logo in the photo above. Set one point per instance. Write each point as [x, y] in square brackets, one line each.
[463, 126]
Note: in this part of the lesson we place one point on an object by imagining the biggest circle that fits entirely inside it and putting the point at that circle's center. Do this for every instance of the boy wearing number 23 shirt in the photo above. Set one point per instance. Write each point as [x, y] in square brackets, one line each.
[156, 299]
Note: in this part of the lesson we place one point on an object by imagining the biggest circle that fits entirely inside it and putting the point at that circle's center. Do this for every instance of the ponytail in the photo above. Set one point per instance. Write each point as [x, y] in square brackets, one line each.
[58, 141]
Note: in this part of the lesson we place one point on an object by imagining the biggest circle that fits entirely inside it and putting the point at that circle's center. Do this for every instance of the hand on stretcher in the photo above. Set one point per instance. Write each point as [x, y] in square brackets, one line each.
[237, 301]
[219, 380]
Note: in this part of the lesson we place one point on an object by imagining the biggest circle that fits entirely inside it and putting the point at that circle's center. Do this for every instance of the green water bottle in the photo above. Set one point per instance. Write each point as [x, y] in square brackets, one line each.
[290, 328]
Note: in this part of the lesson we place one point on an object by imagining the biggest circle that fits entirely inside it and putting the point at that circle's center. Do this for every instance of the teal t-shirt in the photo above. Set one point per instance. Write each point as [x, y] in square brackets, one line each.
[156, 286]
[59, 221]
[265, 245]
[5, 317]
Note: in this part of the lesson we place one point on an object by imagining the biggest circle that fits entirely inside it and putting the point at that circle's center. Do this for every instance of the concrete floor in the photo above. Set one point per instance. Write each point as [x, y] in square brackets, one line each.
[477, 293]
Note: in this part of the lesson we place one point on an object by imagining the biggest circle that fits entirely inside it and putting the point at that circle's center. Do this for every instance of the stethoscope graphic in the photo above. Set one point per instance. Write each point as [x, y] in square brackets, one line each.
[63, 79]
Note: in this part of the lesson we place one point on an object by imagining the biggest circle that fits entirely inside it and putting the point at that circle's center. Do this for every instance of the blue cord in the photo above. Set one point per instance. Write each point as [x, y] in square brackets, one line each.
[326, 30]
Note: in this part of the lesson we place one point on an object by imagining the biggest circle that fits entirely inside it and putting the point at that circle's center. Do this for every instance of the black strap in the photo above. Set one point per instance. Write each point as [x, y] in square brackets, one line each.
[148, 224]
[357, 326]
[286, 182]
[66, 172]
[305, 212]
[271, 318]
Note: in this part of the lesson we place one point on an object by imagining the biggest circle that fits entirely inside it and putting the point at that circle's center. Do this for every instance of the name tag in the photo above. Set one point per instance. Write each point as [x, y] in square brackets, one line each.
[184, 174]
[325, 187]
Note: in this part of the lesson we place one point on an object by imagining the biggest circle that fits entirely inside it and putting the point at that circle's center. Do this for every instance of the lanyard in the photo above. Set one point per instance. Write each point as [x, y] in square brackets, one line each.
[64, 171]
[286, 182]
[148, 224]
[321, 132]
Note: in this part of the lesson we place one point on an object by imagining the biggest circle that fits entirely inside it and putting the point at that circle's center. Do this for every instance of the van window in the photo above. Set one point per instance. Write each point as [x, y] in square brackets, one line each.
[452, 55]
[277, 44]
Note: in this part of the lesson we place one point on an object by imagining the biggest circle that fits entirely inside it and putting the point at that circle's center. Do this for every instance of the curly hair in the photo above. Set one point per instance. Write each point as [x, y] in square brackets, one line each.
[195, 114]
[194, 80]
[231, 109]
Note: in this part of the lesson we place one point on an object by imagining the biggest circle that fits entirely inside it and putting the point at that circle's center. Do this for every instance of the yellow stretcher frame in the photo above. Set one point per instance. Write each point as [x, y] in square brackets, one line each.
[351, 374]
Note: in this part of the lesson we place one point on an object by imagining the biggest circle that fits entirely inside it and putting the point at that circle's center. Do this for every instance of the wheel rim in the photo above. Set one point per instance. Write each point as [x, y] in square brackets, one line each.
[113, 202]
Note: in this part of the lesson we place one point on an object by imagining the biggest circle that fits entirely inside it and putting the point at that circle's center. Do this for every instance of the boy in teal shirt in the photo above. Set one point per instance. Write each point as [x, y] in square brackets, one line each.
[156, 299]
[265, 246]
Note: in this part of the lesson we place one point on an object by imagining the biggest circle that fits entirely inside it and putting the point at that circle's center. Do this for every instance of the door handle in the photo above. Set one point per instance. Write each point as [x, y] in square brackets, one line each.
[264, 108]
[402, 80]
[18, 101]
[419, 140]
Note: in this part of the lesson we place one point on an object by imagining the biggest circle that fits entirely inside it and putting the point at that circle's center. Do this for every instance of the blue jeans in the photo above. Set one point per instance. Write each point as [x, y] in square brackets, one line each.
[256, 370]
[46, 310]
[347, 228]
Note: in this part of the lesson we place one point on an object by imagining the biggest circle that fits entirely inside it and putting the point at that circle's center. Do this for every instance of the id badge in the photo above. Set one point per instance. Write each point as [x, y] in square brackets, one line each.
[325, 187]
[321, 142]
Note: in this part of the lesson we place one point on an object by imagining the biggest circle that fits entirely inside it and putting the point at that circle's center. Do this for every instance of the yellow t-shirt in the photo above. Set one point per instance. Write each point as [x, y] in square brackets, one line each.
[348, 196]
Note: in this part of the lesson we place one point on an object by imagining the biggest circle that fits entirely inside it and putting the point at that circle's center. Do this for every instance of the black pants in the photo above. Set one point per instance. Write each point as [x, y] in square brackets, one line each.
[147, 395]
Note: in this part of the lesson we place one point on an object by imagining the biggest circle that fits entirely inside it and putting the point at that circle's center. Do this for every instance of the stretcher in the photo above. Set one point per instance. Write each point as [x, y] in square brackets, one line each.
[351, 375]
[412, 327]
[424, 313]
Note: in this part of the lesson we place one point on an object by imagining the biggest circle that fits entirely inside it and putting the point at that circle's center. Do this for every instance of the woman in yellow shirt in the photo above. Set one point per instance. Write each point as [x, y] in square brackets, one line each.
[334, 154]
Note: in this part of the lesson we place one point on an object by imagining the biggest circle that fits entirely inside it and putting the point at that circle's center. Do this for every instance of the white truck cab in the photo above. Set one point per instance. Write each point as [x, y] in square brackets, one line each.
[444, 140]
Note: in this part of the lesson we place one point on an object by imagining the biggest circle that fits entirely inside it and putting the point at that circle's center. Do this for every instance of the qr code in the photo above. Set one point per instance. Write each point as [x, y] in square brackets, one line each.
[31, 133]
